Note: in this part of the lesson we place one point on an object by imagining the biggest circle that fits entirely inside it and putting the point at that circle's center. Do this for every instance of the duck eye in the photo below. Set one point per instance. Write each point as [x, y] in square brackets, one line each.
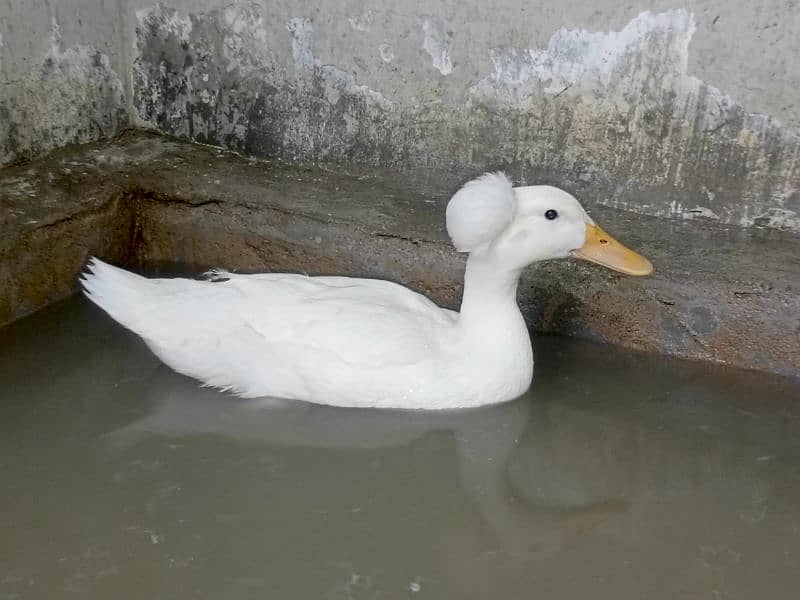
[551, 214]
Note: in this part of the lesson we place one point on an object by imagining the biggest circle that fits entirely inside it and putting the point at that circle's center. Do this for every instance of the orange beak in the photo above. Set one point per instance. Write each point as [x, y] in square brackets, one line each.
[603, 249]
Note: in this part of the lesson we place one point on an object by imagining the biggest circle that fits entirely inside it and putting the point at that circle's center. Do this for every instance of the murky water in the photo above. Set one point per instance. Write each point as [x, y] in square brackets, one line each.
[618, 476]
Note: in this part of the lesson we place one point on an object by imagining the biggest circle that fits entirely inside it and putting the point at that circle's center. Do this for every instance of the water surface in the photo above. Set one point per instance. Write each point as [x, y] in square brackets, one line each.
[618, 476]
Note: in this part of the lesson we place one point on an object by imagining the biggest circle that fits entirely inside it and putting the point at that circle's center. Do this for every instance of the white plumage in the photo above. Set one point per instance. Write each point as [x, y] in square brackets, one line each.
[479, 211]
[359, 342]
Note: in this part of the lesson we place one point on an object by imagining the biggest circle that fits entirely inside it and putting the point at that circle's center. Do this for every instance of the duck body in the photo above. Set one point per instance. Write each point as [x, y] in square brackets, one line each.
[330, 340]
[364, 342]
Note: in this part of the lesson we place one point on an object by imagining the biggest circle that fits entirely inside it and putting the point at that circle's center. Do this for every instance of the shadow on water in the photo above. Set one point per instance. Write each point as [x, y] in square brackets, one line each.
[617, 476]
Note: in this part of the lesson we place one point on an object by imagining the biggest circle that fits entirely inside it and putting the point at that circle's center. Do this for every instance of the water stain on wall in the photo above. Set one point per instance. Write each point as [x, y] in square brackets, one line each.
[73, 96]
[612, 116]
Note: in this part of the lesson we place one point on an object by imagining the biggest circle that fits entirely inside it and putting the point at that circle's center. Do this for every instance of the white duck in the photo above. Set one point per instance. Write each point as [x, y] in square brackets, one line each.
[369, 343]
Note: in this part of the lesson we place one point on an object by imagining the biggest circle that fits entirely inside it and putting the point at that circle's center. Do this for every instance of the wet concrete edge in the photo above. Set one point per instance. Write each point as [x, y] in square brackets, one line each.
[149, 202]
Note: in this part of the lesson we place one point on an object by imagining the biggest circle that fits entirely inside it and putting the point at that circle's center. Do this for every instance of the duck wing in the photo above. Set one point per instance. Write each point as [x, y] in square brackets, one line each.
[280, 335]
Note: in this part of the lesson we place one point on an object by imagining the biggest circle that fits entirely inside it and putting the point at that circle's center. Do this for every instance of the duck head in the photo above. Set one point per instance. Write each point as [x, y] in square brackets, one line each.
[523, 225]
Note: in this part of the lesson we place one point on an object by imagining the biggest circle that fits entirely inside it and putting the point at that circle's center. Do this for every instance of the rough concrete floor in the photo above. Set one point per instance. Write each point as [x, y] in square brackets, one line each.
[151, 203]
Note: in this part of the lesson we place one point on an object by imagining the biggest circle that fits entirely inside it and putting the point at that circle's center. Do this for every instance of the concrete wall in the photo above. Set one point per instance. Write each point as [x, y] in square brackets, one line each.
[666, 108]
[681, 109]
[62, 73]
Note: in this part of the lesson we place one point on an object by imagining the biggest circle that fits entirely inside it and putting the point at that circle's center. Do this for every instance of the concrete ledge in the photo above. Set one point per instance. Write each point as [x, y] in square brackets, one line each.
[148, 202]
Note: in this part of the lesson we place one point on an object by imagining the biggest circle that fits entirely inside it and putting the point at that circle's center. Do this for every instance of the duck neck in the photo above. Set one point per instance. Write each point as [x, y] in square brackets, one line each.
[494, 337]
[490, 290]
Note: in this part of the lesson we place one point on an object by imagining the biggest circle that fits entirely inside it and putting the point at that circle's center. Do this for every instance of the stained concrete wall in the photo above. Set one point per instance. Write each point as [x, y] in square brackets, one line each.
[680, 109]
[63, 66]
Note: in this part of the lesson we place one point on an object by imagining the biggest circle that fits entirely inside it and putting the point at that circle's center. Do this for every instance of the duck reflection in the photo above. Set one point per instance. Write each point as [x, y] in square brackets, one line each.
[523, 522]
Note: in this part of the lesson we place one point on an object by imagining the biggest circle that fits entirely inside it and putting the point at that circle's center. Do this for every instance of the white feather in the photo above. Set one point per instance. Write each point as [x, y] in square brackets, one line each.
[480, 211]
[332, 340]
